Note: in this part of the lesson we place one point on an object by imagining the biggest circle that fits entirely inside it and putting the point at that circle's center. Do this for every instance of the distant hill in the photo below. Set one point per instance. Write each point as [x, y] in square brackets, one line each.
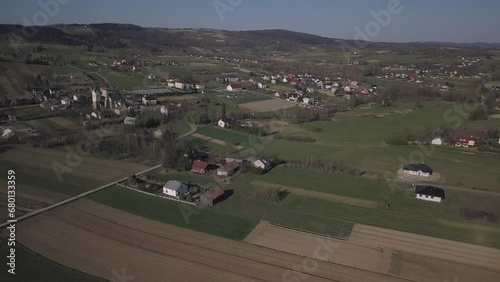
[206, 41]
[455, 44]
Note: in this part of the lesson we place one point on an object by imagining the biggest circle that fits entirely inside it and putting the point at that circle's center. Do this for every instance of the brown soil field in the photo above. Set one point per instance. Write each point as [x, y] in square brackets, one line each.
[216, 141]
[370, 258]
[405, 255]
[90, 168]
[320, 195]
[268, 105]
[97, 239]
[66, 123]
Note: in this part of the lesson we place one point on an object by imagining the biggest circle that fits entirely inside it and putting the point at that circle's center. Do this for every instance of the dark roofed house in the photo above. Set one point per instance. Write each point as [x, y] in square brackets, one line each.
[228, 169]
[211, 196]
[199, 167]
[429, 193]
[419, 169]
[226, 122]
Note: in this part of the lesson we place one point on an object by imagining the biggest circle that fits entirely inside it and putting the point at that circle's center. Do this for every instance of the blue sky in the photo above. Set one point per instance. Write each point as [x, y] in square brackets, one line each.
[419, 20]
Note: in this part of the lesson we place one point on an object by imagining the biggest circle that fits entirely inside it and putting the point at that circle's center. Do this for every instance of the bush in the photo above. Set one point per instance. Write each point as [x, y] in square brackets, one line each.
[295, 138]
[271, 194]
[481, 113]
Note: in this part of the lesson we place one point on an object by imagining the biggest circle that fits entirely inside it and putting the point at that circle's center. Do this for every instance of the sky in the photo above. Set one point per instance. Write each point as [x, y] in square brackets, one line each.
[400, 20]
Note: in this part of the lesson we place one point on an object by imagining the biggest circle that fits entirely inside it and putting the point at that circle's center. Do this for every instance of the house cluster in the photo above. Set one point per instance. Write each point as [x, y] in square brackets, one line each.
[230, 166]
[184, 85]
[462, 140]
[424, 192]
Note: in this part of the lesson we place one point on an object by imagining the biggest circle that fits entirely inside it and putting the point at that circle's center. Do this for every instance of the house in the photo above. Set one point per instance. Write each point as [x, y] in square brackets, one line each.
[149, 100]
[273, 81]
[199, 86]
[234, 87]
[465, 141]
[199, 167]
[66, 101]
[226, 122]
[7, 134]
[175, 188]
[429, 193]
[212, 196]
[419, 169]
[180, 85]
[349, 96]
[231, 78]
[261, 86]
[130, 121]
[228, 169]
[438, 141]
[308, 101]
[263, 164]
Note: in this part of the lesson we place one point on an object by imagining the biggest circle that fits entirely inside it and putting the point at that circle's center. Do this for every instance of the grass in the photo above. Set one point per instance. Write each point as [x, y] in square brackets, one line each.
[327, 183]
[225, 135]
[178, 127]
[31, 266]
[35, 168]
[206, 220]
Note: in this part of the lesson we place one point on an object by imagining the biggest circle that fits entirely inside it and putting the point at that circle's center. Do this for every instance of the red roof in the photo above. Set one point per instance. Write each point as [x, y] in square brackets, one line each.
[199, 165]
[235, 86]
[464, 138]
[214, 193]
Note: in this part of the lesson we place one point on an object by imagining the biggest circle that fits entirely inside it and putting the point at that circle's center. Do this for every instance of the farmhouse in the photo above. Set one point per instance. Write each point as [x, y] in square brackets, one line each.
[149, 100]
[417, 170]
[129, 121]
[234, 87]
[465, 141]
[228, 169]
[438, 141]
[429, 193]
[263, 164]
[211, 197]
[175, 188]
[199, 167]
[226, 122]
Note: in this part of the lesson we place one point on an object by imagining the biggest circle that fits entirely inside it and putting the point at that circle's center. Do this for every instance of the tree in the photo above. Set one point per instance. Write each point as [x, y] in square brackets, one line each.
[223, 110]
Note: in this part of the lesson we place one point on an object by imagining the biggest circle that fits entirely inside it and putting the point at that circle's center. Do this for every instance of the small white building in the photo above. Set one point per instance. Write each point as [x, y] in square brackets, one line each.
[429, 193]
[175, 188]
[263, 164]
[130, 121]
[234, 87]
[308, 101]
[7, 134]
[225, 122]
[438, 141]
[418, 170]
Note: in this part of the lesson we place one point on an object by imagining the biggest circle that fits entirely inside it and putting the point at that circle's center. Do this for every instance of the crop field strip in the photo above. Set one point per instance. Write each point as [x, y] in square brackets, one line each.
[272, 263]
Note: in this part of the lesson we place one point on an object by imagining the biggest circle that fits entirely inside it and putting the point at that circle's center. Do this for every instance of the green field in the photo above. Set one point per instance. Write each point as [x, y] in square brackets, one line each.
[206, 220]
[233, 137]
[31, 266]
[35, 168]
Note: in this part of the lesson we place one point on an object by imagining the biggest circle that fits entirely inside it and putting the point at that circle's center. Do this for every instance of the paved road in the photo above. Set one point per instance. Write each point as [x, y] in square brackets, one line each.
[26, 216]
[193, 130]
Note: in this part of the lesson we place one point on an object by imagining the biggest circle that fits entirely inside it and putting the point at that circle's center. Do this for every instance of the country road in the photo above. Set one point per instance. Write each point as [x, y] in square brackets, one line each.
[72, 199]
[191, 131]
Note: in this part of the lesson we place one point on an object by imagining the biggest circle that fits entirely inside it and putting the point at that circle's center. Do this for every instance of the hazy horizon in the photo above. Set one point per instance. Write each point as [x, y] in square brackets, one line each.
[456, 22]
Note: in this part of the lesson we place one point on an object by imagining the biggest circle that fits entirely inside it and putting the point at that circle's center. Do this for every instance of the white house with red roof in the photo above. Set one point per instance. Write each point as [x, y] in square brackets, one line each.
[234, 87]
